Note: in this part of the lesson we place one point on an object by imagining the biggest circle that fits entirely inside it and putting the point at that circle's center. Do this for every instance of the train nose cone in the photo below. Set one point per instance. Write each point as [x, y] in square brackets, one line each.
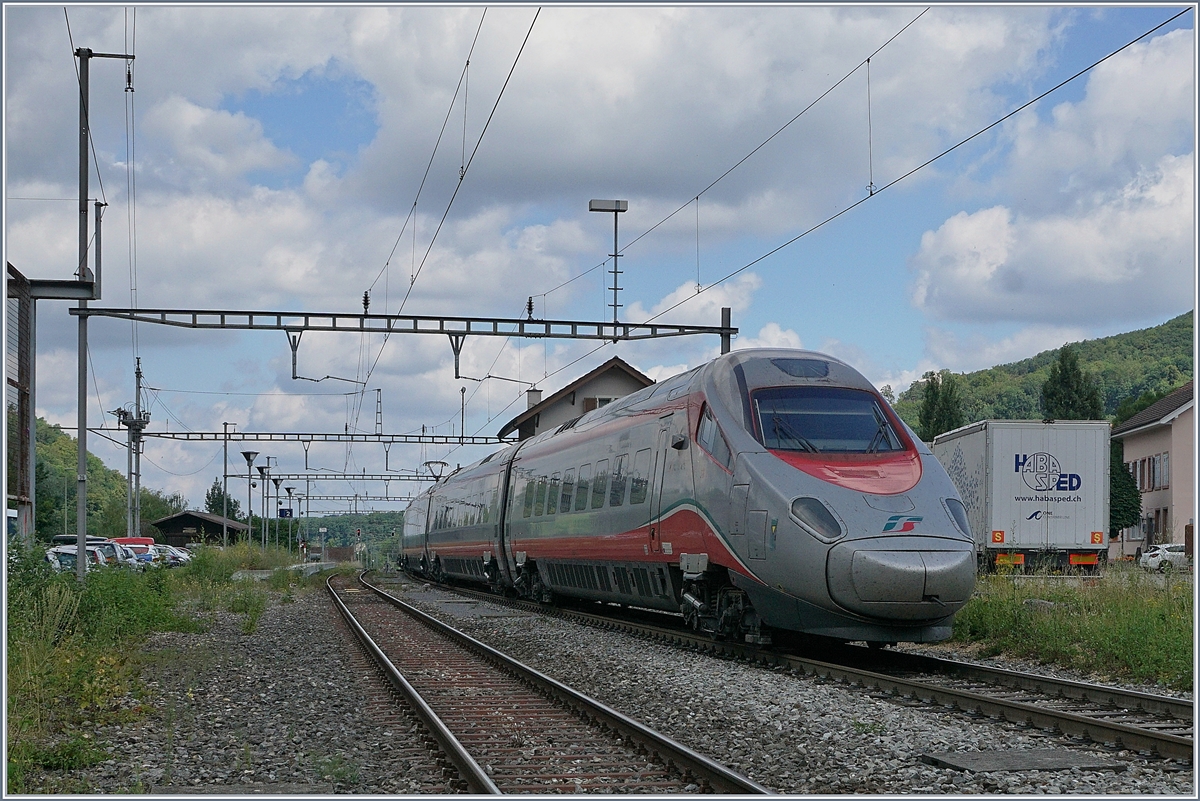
[891, 578]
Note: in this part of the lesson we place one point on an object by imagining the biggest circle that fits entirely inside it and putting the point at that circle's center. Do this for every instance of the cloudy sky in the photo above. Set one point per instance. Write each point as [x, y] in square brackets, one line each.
[294, 158]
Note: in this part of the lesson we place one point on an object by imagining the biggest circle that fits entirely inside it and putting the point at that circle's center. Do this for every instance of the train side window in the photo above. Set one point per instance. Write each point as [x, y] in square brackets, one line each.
[539, 503]
[568, 490]
[616, 494]
[600, 484]
[528, 508]
[711, 440]
[581, 489]
[552, 496]
[640, 479]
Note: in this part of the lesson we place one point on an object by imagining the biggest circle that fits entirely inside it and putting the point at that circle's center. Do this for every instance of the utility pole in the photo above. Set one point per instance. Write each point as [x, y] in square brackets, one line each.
[140, 424]
[278, 503]
[135, 423]
[264, 475]
[85, 55]
[249, 457]
[225, 490]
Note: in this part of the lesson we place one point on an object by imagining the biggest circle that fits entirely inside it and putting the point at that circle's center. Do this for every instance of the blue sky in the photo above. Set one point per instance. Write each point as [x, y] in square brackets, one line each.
[277, 153]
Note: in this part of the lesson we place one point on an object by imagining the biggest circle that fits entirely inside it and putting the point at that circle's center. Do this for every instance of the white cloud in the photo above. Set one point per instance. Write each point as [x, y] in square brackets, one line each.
[771, 335]
[966, 354]
[605, 102]
[1126, 257]
[208, 143]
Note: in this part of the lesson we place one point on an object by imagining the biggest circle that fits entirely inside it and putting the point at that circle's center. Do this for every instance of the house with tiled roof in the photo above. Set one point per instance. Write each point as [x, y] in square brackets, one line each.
[614, 379]
[1159, 453]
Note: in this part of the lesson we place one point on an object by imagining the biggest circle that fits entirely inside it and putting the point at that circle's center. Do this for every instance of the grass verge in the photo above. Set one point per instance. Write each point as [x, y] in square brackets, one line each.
[1127, 625]
[71, 665]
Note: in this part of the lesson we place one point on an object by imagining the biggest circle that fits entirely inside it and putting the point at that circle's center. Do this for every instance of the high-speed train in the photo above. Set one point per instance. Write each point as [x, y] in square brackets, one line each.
[767, 489]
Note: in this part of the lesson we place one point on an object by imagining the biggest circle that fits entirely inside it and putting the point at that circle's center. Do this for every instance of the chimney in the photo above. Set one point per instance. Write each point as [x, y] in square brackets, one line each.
[533, 396]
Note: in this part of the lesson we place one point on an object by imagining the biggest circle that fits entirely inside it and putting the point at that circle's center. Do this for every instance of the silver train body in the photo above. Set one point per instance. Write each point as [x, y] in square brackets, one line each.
[768, 489]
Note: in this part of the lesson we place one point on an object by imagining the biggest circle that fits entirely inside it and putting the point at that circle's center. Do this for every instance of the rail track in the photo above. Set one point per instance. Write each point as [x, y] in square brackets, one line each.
[1152, 725]
[506, 728]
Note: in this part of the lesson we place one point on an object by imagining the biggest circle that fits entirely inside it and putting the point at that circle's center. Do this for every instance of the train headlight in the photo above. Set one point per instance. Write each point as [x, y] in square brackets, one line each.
[816, 517]
[959, 513]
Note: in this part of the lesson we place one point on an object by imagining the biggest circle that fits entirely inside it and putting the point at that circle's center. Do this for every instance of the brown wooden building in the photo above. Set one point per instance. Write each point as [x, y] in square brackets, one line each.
[188, 527]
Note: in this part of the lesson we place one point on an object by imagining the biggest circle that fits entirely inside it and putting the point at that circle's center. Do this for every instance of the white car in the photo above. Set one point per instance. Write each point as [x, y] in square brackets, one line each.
[1164, 558]
[62, 557]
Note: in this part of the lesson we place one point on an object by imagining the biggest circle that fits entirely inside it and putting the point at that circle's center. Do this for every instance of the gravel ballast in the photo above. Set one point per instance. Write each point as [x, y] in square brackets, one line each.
[285, 710]
[281, 710]
[792, 734]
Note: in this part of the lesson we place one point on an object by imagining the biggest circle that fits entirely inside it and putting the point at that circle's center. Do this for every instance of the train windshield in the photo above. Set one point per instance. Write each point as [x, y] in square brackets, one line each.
[823, 420]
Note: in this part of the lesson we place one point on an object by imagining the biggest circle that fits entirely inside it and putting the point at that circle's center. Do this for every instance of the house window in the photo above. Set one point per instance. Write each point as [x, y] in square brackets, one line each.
[1166, 470]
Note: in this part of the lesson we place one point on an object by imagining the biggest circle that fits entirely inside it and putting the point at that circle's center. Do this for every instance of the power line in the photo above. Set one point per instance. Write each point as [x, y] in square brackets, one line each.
[450, 204]
[759, 147]
[433, 154]
[919, 167]
[88, 119]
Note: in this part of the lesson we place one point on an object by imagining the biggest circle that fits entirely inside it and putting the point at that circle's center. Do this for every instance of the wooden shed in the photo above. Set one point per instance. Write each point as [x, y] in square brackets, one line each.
[188, 527]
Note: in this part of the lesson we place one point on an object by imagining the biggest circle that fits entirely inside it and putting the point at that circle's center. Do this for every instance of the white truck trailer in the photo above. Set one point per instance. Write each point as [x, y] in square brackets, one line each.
[1036, 492]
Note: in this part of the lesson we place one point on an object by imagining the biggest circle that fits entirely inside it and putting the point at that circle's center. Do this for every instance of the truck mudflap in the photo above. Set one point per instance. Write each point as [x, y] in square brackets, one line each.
[900, 578]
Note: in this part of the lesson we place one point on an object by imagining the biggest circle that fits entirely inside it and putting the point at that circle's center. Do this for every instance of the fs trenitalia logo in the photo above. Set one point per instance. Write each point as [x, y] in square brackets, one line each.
[1042, 473]
[897, 524]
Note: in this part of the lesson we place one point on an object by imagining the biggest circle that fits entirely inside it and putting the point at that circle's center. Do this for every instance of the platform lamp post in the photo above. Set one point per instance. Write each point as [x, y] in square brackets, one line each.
[291, 514]
[249, 457]
[264, 473]
[616, 207]
[278, 503]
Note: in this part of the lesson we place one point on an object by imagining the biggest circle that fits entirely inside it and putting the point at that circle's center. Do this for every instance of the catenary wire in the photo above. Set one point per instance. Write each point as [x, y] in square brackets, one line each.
[432, 155]
[457, 187]
[88, 120]
[919, 167]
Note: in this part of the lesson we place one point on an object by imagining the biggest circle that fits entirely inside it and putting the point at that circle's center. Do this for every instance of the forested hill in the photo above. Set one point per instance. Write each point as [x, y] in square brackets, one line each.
[1126, 365]
[57, 454]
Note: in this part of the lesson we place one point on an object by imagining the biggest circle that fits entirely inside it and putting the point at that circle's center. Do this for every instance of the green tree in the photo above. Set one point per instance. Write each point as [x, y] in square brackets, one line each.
[215, 501]
[1069, 393]
[1131, 405]
[157, 505]
[1124, 499]
[941, 406]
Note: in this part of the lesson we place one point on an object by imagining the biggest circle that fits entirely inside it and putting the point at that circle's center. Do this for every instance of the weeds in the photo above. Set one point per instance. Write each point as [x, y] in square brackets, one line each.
[1128, 624]
[68, 661]
[250, 601]
[336, 769]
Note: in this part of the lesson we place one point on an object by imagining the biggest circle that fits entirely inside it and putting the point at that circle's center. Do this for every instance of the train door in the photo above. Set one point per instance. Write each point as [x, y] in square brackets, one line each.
[508, 563]
[428, 524]
[658, 472]
[496, 498]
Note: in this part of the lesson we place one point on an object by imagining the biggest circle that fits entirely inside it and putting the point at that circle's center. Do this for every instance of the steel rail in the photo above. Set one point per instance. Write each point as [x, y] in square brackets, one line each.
[1068, 723]
[719, 777]
[473, 774]
[1179, 708]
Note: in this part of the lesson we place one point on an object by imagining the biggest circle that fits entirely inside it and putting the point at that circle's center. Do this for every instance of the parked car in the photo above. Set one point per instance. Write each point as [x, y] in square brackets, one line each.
[1165, 558]
[62, 557]
[171, 557]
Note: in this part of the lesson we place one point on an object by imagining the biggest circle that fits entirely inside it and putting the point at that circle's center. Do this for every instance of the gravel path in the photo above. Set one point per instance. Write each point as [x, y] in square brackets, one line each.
[792, 734]
[283, 711]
